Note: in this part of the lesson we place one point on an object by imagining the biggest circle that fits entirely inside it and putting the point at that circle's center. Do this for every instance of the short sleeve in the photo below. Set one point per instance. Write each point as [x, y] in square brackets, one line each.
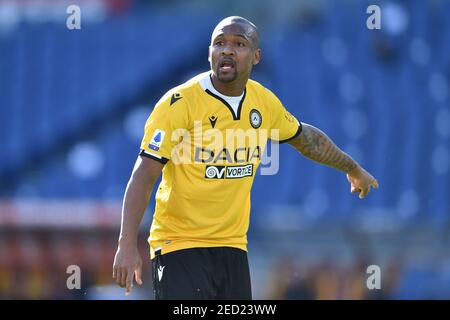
[164, 127]
[284, 126]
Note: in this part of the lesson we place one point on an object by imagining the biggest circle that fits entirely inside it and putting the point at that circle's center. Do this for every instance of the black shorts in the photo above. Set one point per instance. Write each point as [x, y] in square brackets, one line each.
[202, 273]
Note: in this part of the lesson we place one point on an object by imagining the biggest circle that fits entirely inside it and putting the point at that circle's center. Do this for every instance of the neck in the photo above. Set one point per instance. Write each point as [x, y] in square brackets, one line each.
[231, 89]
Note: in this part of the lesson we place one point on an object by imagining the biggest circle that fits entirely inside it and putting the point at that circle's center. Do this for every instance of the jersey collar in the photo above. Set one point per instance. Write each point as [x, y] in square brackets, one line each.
[209, 89]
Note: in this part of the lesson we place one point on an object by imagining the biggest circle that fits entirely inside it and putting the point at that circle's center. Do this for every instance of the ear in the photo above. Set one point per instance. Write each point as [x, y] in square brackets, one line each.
[256, 56]
[209, 54]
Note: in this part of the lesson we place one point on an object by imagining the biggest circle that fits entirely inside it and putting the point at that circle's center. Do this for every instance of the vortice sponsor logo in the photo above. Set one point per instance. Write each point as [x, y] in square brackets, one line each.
[228, 172]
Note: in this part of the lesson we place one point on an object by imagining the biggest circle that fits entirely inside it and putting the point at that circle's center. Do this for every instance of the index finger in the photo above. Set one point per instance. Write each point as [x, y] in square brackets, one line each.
[129, 282]
[138, 274]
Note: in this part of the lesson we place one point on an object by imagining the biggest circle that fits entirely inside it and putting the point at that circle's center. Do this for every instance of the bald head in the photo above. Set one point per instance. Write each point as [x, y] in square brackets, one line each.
[233, 52]
[239, 25]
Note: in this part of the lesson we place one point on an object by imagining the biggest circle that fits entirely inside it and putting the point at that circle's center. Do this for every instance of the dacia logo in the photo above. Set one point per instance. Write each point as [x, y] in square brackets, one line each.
[239, 155]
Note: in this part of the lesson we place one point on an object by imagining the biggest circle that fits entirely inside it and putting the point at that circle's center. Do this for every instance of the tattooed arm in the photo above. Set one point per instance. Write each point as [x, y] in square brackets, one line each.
[317, 146]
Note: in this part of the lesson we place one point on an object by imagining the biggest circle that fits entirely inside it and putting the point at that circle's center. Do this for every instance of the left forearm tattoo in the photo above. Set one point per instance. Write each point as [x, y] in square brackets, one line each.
[317, 146]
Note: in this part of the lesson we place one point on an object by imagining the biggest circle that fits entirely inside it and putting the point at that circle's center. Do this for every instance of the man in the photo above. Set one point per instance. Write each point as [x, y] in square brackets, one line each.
[198, 237]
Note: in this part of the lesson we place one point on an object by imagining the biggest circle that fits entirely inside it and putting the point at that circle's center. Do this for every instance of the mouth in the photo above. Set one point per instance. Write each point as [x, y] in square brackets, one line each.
[227, 65]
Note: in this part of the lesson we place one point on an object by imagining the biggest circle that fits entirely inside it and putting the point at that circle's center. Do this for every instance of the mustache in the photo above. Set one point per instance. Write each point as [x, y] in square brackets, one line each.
[225, 61]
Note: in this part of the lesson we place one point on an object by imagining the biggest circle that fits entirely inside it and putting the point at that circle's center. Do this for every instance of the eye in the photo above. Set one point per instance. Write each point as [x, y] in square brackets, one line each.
[219, 43]
[241, 44]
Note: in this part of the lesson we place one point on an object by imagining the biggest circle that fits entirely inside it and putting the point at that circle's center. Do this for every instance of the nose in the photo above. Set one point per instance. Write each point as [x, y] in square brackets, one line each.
[228, 50]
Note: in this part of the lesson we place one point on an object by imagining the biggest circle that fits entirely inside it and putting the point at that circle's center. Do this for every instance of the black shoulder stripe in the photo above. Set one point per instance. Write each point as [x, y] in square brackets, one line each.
[299, 130]
[162, 159]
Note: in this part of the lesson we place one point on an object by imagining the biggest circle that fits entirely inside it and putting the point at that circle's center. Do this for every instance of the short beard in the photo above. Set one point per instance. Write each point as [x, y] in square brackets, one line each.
[227, 79]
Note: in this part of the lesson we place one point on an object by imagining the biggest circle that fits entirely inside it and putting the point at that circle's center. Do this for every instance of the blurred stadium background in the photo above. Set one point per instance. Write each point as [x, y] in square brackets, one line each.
[73, 106]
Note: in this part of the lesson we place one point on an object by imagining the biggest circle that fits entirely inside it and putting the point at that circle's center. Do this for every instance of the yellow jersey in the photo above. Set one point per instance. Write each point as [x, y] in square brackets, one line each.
[211, 146]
